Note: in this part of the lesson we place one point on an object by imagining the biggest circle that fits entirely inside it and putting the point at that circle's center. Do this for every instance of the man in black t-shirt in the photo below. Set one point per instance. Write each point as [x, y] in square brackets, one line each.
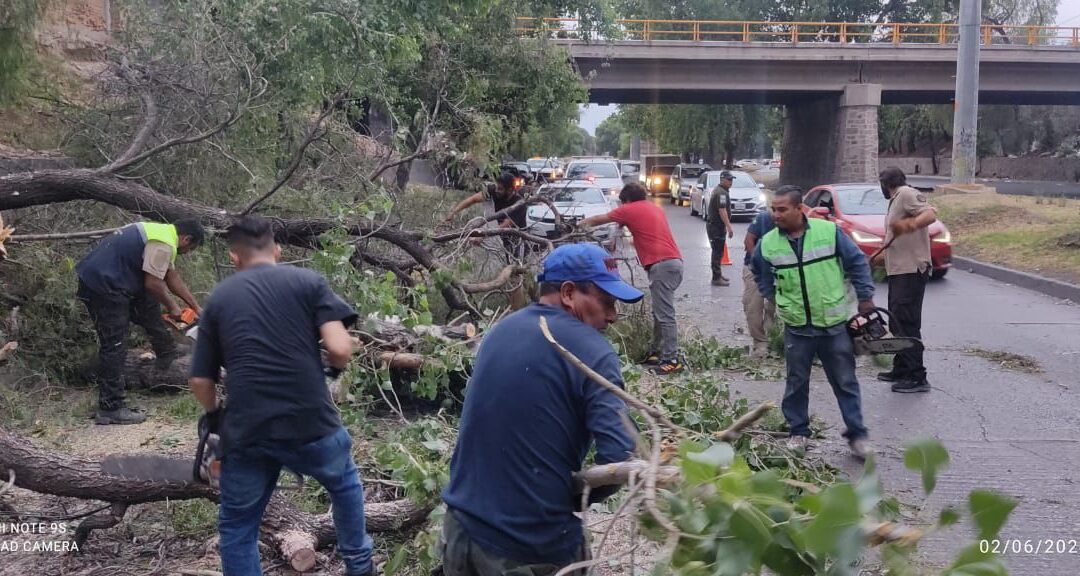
[263, 324]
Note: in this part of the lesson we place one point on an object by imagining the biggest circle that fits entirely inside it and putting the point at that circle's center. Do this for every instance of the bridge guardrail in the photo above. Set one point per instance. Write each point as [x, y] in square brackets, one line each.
[808, 32]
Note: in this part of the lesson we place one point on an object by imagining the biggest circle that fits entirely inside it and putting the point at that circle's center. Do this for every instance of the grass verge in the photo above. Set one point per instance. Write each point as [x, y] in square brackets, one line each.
[1032, 234]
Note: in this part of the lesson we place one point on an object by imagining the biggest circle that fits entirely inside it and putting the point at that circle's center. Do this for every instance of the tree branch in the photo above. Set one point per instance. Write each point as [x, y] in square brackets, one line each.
[500, 280]
[151, 118]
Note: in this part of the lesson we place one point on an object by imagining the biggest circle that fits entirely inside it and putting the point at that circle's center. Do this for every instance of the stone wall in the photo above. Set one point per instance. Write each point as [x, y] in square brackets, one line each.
[1028, 168]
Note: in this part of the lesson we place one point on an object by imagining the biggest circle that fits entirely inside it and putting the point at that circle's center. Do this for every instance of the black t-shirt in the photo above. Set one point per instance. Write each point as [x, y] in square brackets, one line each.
[262, 326]
[720, 200]
[500, 203]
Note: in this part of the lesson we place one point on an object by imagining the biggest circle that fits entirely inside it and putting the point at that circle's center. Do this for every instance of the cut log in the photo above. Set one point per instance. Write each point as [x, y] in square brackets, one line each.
[140, 373]
[298, 533]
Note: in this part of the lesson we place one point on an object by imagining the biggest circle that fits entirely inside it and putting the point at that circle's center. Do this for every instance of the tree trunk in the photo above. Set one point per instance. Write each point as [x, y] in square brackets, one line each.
[296, 534]
[401, 178]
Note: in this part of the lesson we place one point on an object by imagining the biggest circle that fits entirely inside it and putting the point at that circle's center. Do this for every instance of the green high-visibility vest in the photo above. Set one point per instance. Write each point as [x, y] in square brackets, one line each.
[164, 233]
[810, 289]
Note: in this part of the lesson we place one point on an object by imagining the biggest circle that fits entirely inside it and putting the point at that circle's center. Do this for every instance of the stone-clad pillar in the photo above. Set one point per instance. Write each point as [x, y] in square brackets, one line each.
[857, 137]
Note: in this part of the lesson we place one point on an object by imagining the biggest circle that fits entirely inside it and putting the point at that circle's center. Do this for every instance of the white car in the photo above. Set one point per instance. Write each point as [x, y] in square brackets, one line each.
[575, 200]
[747, 196]
[602, 173]
[748, 164]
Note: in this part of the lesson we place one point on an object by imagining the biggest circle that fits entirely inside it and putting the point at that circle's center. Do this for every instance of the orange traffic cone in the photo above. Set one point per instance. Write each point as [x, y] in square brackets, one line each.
[725, 261]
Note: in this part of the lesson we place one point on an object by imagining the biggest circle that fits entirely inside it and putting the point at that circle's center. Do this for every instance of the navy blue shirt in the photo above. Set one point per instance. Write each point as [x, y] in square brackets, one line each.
[262, 326]
[528, 422]
[115, 266]
[761, 226]
[852, 259]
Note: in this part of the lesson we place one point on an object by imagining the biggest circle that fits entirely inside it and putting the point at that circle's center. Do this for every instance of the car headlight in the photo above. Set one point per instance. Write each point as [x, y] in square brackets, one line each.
[945, 237]
[762, 198]
[864, 237]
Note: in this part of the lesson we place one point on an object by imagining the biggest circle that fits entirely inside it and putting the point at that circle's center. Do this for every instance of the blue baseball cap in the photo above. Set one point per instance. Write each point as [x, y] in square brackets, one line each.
[588, 263]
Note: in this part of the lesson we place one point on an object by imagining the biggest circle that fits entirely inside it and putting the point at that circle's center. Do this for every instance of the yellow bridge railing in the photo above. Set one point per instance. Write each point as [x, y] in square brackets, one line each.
[800, 32]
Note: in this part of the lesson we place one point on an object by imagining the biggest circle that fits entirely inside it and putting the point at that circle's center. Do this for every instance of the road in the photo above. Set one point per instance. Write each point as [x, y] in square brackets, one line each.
[1015, 432]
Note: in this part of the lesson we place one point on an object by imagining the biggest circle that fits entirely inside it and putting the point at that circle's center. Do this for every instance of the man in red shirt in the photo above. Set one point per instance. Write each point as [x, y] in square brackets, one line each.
[661, 258]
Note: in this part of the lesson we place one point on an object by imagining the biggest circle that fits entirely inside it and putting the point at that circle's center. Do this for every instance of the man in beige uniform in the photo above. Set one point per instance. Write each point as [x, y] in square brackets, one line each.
[907, 263]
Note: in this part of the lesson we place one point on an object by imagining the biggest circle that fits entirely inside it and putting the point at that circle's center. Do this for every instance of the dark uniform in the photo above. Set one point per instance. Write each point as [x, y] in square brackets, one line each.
[714, 227]
[112, 285]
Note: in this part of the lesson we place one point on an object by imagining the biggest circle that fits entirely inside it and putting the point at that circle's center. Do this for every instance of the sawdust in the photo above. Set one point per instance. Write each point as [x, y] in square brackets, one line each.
[1008, 360]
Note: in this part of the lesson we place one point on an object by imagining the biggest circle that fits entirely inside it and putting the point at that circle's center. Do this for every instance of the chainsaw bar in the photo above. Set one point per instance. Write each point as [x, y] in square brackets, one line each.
[892, 345]
[149, 468]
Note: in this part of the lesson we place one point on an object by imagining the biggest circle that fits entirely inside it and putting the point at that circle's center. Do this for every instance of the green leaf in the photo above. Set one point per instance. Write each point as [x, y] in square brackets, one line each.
[989, 511]
[927, 457]
[868, 488]
[436, 445]
[719, 455]
[839, 511]
[749, 526]
[948, 517]
[974, 562]
[401, 555]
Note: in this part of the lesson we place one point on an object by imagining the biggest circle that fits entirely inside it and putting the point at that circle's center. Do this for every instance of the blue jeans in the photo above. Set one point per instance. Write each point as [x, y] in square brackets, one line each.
[248, 478]
[837, 354]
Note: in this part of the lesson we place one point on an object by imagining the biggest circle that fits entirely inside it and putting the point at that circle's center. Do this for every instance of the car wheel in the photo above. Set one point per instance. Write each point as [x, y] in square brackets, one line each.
[939, 273]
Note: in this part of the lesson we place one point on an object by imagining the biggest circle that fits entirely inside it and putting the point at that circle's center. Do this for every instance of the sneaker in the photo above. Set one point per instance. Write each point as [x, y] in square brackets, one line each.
[887, 376]
[122, 415]
[653, 359]
[860, 448]
[759, 350]
[798, 443]
[668, 368]
[720, 281]
[910, 386]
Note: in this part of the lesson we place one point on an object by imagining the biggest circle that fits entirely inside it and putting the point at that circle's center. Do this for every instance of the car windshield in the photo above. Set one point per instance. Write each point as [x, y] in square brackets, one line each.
[628, 169]
[693, 171]
[741, 180]
[538, 163]
[590, 195]
[856, 201]
[523, 167]
[662, 171]
[594, 169]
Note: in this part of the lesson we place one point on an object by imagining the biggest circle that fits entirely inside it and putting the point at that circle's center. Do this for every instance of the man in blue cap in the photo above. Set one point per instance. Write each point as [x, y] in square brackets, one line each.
[529, 419]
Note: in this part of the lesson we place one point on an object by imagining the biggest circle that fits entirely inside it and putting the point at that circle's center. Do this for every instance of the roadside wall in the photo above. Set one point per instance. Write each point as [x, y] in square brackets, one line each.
[1029, 168]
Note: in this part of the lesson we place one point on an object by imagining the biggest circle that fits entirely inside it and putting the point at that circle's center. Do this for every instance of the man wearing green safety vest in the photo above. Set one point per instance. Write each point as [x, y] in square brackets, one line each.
[804, 265]
[127, 278]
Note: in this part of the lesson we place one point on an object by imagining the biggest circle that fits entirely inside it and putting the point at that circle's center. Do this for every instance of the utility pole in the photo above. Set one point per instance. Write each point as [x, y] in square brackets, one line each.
[966, 106]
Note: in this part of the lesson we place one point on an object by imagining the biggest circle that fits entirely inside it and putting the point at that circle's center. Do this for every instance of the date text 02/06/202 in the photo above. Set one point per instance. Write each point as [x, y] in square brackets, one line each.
[1039, 546]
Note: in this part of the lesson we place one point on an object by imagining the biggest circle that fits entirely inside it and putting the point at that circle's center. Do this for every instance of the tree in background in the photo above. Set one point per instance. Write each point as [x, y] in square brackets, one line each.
[17, 21]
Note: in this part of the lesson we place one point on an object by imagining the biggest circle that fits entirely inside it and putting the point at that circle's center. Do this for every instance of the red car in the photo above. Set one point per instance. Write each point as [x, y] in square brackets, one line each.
[860, 209]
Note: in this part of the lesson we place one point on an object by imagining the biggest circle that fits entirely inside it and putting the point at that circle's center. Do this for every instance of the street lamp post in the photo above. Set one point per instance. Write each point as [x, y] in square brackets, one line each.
[966, 106]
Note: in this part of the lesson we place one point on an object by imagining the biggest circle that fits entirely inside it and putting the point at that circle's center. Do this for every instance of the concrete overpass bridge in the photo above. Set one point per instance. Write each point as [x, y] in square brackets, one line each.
[831, 77]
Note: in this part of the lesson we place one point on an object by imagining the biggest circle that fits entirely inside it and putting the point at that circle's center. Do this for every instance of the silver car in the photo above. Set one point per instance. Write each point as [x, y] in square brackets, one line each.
[602, 173]
[747, 196]
[575, 201]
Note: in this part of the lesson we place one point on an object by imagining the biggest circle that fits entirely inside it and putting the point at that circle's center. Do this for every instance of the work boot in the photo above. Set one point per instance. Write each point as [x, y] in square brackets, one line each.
[759, 350]
[910, 386]
[888, 376]
[720, 281]
[860, 448]
[121, 415]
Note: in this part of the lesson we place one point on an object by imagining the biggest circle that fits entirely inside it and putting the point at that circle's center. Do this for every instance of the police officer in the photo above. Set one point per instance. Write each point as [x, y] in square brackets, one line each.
[718, 225]
[908, 266]
[127, 278]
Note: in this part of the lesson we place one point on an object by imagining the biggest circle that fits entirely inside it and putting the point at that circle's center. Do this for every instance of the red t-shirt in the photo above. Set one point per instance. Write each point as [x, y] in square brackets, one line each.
[652, 235]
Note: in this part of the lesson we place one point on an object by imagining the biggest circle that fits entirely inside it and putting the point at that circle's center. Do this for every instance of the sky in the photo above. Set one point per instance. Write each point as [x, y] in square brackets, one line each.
[591, 115]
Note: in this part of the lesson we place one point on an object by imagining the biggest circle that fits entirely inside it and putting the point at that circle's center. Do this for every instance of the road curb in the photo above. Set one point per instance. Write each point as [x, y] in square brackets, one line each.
[1048, 286]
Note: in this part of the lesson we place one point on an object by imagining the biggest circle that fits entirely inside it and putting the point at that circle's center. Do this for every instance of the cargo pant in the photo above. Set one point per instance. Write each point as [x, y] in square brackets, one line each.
[664, 278]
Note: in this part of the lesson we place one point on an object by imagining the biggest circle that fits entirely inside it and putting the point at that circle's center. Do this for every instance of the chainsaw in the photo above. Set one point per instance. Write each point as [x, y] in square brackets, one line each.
[870, 333]
[187, 323]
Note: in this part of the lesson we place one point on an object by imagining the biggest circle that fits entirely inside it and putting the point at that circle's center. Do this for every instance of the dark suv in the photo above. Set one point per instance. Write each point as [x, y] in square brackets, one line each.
[656, 181]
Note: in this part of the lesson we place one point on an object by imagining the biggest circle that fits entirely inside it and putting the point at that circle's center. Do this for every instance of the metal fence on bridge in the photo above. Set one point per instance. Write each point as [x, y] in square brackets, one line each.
[805, 32]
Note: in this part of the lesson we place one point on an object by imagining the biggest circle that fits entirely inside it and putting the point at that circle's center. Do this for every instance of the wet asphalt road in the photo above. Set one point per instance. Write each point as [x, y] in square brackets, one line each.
[1015, 432]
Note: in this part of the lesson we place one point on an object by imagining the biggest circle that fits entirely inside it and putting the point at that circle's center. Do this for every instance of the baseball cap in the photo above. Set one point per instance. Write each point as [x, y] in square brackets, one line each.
[727, 175]
[588, 263]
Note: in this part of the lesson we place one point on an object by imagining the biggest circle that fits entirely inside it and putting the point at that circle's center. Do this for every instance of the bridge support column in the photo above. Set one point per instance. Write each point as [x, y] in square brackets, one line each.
[833, 138]
[857, 122]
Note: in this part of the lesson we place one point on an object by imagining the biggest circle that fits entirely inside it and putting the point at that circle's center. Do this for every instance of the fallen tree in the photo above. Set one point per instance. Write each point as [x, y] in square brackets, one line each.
[295, 534]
